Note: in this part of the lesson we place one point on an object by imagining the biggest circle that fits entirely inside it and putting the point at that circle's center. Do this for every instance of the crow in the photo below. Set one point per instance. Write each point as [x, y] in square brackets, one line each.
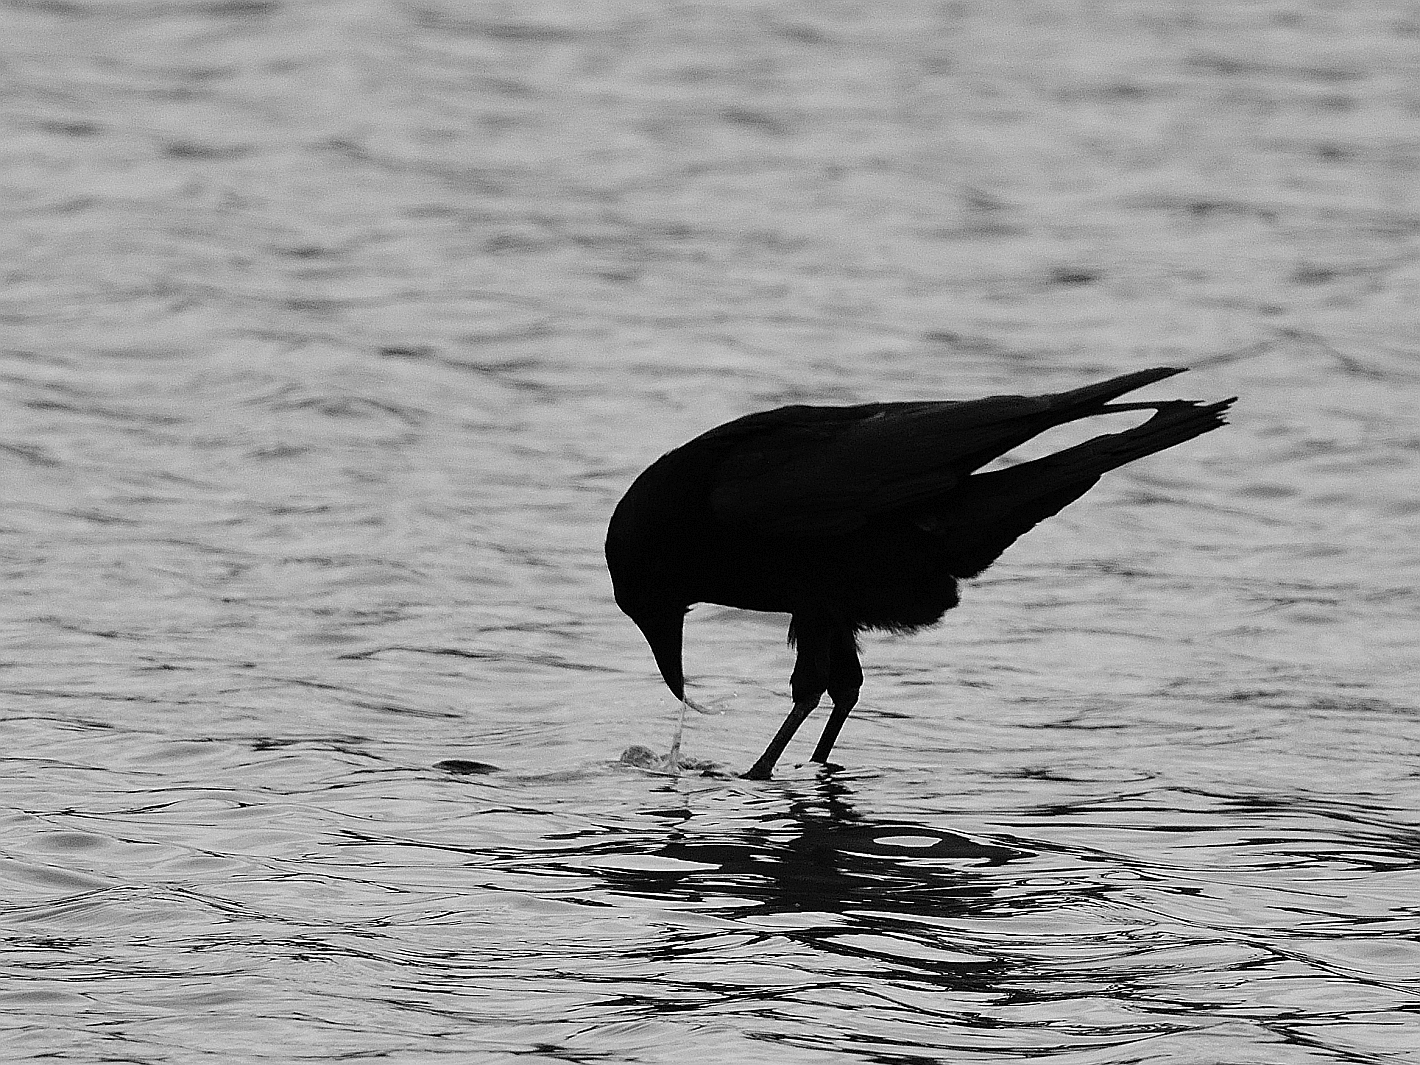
[856, 518]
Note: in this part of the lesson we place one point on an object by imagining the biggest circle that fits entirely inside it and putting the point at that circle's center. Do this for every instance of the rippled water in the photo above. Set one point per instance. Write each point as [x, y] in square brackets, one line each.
[331, 334]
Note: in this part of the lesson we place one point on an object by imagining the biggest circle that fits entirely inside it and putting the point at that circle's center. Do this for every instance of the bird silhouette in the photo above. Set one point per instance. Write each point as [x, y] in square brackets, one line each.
[856, 518]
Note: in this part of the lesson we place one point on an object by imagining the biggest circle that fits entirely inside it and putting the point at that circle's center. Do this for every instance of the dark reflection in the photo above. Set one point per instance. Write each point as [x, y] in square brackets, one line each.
[888, 889]
[465, 767]
[819, 854]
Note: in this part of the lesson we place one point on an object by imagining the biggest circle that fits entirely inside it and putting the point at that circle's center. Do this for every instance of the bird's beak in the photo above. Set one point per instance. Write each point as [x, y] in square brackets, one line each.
[663, 632]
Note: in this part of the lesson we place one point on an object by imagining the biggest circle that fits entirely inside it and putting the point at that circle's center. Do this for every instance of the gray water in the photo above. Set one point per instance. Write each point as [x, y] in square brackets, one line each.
[332, 332]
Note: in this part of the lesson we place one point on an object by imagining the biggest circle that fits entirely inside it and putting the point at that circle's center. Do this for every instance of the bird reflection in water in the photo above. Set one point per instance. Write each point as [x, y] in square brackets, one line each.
[819, 855]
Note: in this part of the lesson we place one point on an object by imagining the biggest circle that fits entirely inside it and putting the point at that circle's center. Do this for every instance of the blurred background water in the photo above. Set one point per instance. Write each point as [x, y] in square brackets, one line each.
[332, 331]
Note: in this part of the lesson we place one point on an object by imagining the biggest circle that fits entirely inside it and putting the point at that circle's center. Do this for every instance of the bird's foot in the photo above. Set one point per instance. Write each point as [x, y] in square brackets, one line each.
[759, 771]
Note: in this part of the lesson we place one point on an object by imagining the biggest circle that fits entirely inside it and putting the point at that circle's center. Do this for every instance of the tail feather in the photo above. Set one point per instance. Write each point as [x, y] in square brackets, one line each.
[992, 510]
[1174, 422]
[1080, 401]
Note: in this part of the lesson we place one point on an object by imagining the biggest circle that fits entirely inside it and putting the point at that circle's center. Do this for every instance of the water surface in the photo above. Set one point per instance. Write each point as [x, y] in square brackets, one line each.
[332, 333]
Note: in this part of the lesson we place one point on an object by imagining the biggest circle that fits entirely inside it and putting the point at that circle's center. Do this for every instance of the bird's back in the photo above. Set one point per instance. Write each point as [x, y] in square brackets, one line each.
[851, 509]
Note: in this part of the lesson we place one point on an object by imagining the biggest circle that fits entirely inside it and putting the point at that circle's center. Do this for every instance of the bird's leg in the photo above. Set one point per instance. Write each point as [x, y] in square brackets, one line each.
[809, 682]
[842, 705]
[845, 678]
[765, 765]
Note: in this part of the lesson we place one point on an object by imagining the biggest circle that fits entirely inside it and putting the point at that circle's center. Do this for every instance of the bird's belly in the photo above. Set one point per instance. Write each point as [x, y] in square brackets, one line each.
[872, 584]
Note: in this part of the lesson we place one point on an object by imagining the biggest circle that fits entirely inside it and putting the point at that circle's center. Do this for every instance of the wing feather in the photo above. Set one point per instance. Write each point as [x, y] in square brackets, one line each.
[824, 471]
[806, 475]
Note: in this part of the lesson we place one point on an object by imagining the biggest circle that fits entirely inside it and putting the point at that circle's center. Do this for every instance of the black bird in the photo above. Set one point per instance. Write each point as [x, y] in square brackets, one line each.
[856, 518]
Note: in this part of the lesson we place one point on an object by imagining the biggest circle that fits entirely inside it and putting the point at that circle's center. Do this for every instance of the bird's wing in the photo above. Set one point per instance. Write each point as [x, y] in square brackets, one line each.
[821, 471]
